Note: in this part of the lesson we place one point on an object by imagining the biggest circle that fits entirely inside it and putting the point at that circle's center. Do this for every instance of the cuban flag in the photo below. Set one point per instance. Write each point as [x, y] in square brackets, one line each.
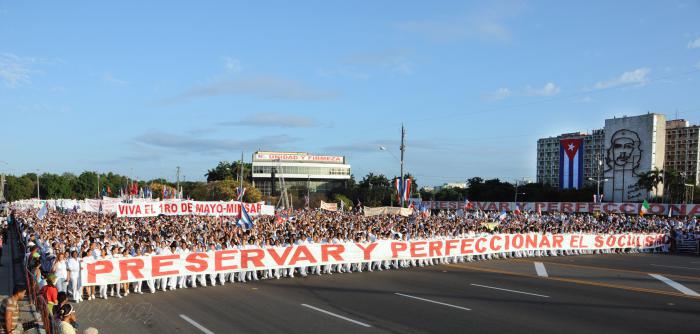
[406, 189]
[245, 221]
[240, 192]
[571, 163]
[502, 216]
[43, 211]
[397, 185]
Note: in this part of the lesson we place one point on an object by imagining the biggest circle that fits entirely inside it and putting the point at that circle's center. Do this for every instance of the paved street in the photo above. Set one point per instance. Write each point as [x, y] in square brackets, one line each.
[583, 294]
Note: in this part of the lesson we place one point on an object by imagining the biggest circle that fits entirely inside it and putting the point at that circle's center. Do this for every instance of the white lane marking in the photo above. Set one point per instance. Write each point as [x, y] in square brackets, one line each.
[675, 285]
[515, 291]
[195, 324]
[661, 265]
[432, 301]
[336, 315]
[541, 271]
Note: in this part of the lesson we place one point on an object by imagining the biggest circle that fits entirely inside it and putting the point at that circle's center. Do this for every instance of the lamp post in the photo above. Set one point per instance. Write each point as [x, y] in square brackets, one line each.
[598, 180]
[402, 148]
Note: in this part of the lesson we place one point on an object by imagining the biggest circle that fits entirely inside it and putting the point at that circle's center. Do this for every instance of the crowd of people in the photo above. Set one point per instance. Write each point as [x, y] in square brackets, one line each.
[59, 242]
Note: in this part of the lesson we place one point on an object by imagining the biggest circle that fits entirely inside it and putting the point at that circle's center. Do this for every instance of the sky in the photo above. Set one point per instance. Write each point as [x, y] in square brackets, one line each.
[140, 87]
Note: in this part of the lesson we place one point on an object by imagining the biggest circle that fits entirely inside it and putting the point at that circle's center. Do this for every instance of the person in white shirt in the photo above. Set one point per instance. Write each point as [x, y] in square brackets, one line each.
[73, 276]
[60, 268]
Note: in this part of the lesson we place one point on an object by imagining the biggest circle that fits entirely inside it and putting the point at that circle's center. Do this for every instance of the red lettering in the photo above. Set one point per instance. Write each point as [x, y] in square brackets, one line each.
[367, 251]
[335, 251]
[397, 247]
[224, 255]
[252, 255]
[558, 239]
[477, 246]
[97, 268]
[199, 265]
[279, 260]
[492, 243]
[466, 245]
[130, 266]
[451, 244]
[435, 248]
[417, 249]
[302, 253]
[160, 261]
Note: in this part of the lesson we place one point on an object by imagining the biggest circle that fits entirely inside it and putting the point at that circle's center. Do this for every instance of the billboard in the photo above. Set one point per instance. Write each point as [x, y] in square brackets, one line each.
[296, 157]
[633, 146]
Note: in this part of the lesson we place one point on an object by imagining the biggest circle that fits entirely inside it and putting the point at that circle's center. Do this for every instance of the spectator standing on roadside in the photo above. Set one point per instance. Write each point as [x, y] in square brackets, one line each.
[9, 312]
[67, 314]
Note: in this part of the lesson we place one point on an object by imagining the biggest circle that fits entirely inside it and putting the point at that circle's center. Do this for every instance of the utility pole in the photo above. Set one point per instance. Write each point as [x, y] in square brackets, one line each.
[98, 184]
[2, 183]
[38, 196]
[177, 176]
[402, 148]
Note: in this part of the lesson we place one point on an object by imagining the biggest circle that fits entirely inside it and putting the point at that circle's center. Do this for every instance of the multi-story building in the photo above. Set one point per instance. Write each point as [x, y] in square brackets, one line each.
[683, 149]
[624, 150]
[317, 173]
[549, 150]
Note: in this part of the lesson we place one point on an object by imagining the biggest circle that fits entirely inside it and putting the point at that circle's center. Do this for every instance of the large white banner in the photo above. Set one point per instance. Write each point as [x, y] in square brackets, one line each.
[569, 207]
[387, 210]
[110, 271]
[186, 208]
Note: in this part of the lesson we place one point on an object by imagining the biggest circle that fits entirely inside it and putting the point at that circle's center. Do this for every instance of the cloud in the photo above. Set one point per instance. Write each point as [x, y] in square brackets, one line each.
[110, 79]
[371, 146]
[274, 120]
[638, 77]
[487, 23]
[14, 70]
[499, 94]
[694, 44]
[193, 144]
[345, 72]
[232, 65]
[549, 89]
[264, 87]
[395, 61]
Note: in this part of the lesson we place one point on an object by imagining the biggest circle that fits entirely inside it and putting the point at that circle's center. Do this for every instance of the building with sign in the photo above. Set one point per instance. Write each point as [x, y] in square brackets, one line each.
[299, 170]
[550, 159]
[625, 149]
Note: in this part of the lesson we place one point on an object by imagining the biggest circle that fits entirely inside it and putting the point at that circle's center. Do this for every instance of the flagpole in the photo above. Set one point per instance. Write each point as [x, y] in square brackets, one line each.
[402, 148]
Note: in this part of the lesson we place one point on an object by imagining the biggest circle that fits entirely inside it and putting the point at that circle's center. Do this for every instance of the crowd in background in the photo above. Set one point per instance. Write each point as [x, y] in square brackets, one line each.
[59, 242]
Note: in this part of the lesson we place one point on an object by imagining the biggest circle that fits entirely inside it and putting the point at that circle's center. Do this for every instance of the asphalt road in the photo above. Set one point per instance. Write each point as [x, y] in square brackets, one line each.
[582, 294]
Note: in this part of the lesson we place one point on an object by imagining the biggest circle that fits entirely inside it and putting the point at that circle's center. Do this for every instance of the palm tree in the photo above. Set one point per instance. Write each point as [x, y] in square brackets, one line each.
[656, 177]
[646, 181]
[671, 180]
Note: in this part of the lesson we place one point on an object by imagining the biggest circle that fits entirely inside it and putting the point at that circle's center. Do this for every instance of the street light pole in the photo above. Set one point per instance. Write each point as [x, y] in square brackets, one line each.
[598, 180]
[402, 148]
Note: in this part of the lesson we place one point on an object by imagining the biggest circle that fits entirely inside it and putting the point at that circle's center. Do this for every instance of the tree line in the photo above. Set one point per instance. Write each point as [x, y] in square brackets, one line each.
[372, 190]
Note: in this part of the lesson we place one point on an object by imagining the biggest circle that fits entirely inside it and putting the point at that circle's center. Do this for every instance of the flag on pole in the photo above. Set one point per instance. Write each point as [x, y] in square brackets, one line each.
[240, 192]
[517, 209]
[406, 189]
[467, 204]
[397, 185]
[245, 221]
[502, 216]
[644, 208]
[43, 211]
[670, 209]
